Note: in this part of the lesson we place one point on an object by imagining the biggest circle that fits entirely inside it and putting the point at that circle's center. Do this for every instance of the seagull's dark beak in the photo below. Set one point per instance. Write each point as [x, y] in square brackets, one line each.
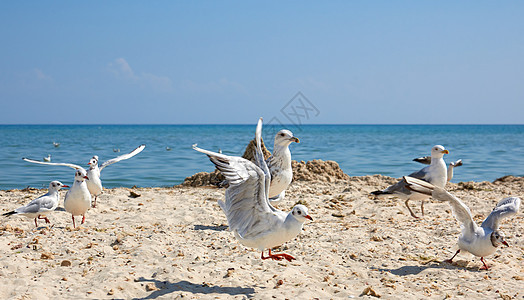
[309, 217]
[505, 243]
[445, 151]
[295, 139]
[85, 177]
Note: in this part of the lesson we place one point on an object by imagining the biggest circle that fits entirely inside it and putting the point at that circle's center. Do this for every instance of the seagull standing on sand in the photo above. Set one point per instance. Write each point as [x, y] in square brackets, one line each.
[479, 241]
[78, 199]
[41, 206]
[427, 161]
[94, 183]
[279, 164]
[435, 173]
[251, 217]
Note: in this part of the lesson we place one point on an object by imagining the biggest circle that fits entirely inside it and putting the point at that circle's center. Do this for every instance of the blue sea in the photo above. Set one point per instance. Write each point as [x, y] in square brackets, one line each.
[488, 151]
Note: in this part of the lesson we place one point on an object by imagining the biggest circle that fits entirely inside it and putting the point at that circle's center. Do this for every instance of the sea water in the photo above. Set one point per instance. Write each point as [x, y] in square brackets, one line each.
[487, 151]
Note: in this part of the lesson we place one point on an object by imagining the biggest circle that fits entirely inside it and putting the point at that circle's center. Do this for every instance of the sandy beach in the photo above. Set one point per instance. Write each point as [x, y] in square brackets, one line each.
[172, 243]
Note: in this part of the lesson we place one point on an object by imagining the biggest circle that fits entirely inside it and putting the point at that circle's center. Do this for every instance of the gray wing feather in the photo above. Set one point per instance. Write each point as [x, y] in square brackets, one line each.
[44, 202]
[423, 160]
[123, 157]
[246, 207]
[401, 186]
[76, 167]
[505, 208]
[460, 210]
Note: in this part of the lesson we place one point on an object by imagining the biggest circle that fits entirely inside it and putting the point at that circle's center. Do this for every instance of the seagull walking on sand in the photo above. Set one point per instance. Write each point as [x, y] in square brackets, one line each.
[94, 183]
[250, 216]
[78, 199]
[427, 161]
[41, 206]
[435, 173]
[279, 164]
[479, 241]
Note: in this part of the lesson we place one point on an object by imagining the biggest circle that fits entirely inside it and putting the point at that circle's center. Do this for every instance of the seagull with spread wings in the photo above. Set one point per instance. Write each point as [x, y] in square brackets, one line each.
[94, 183]
[249, 213]
[480, 240]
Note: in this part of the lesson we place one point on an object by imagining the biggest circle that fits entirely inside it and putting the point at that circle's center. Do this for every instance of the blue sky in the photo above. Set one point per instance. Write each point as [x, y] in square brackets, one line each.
[200, 62]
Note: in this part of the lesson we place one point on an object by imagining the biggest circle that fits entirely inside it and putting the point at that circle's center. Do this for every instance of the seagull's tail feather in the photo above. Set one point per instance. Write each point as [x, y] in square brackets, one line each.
[7, 214]
[378, 193]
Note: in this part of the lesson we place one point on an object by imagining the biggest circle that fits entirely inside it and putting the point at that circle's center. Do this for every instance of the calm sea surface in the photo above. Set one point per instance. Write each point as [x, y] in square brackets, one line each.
[488, 151]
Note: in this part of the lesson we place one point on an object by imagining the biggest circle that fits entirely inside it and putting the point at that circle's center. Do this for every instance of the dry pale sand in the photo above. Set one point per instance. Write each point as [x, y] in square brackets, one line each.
[173, 243]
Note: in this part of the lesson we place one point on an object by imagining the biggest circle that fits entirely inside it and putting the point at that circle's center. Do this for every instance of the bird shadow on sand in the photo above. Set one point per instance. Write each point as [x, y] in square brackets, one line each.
[214, 228]
[166, 287]
[417, 269]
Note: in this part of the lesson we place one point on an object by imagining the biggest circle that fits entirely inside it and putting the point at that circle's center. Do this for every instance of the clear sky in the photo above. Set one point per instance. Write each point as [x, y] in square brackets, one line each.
[229, 62]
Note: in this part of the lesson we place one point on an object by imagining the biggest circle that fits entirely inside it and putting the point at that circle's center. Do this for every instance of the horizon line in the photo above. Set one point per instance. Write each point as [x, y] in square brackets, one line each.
[282, 124]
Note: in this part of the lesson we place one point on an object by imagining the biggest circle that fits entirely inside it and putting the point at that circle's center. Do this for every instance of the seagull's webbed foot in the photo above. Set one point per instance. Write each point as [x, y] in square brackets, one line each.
[279, 256]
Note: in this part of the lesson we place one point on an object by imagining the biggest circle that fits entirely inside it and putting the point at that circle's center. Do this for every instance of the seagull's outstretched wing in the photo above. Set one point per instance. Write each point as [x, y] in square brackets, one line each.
[423, 160]
[246, 207]
[401, 186]
[460, 210]
[505, 208]
[123, 157]
[76, 167]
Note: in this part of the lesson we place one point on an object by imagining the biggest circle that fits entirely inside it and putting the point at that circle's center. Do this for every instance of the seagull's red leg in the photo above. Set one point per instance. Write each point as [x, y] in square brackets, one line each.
[451, 259]
[36, 224]
[73, 217]
[44, 218]
[485, 267]
[83, 219]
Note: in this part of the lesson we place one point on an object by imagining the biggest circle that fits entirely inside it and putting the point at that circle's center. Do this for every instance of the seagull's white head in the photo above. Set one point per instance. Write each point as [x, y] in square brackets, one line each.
[56, 185]
[80, 175]
[93, 161]
[300, 213]
[497, 238]
[438, 151]
[285, 137]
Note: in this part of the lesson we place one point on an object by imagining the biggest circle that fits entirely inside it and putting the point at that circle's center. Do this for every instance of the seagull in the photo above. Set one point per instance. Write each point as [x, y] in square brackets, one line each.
[56, 144]
[435, 173]
[250, 216]
[41, 206]
[427, 161]
[78, 199]
[279, 164]
[116, 150]
[48, 158]
[479, 241]
[94, 183]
